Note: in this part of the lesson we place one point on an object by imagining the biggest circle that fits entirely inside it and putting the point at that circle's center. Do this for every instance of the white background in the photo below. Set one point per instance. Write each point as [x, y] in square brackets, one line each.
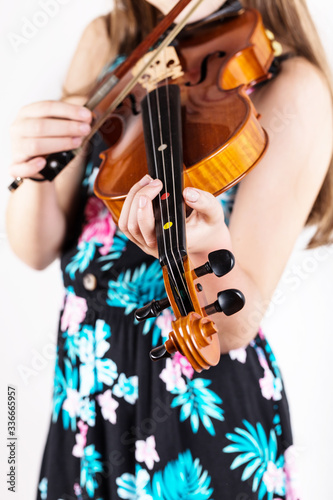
[298, 324]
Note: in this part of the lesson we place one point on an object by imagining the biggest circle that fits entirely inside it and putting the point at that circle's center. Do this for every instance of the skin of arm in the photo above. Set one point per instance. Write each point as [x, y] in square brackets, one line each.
[271, 206]
[39, 214]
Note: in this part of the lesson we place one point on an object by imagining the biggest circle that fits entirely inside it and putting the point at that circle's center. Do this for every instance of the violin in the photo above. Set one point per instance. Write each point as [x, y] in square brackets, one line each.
[199, 129]
[182, 113]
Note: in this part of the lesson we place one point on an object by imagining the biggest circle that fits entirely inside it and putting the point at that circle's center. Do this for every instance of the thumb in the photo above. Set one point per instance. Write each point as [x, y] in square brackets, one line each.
[204, 203]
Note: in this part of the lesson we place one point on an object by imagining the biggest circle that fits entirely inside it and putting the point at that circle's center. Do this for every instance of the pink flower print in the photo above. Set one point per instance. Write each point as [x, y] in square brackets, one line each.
[290, 468]
[267, 385]
[72, 403]
[81, 440]
[185, 366]
[262, 358]
[172, 376]
[239, 354]
[78, 447]
[270, 386]
[100, 226]
[274, 478]
[74, 313]
[83, 427]
[108, 406]
[78, 491]
[145, 452]
[261, 334]
[163, 322]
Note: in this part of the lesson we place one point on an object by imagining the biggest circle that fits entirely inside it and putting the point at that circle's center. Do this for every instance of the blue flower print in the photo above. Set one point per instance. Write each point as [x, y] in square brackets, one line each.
[94, 371]
[118, 247]
[87, 411]
[111, 67]
[272, 359]
[90, 176]
[43, 488]
[132, 487]
[260, 456]
[63, 385]
[81, 260]
[227, 201]
[133, 290]
[271, 383]
[127, 388]
[71, 345]
[182, 478]
[198, 403]
[90, 466]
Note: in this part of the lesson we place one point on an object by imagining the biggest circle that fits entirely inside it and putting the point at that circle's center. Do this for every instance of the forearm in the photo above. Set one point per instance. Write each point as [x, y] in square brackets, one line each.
[36, 226]
[240, 328]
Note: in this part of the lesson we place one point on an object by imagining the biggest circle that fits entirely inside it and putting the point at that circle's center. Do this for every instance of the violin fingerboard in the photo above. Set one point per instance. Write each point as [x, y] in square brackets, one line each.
[161, 113]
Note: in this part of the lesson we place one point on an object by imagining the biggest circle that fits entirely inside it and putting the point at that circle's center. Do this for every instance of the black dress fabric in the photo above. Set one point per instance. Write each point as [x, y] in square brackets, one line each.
[125, 427]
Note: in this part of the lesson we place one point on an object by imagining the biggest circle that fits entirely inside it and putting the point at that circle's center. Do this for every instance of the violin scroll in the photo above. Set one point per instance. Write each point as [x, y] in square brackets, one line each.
[194, 335]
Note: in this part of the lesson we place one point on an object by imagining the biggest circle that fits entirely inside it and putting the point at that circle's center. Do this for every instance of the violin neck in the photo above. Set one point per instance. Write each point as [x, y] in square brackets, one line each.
[161, 115]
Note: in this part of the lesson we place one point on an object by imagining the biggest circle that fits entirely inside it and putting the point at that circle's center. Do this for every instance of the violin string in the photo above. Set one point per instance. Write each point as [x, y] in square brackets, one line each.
[164, 183]
[159, 197]
[167, 190]
[179, 267]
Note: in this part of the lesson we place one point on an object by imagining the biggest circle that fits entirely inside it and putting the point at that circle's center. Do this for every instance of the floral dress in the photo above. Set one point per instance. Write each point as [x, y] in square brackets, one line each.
[125, 427]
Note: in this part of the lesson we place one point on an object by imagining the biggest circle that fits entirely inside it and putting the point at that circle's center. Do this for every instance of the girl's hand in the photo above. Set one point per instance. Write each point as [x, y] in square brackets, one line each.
[43, 128]
[205, 227]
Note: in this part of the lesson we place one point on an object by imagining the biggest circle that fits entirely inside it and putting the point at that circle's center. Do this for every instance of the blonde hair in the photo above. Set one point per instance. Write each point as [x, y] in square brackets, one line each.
[290, 21]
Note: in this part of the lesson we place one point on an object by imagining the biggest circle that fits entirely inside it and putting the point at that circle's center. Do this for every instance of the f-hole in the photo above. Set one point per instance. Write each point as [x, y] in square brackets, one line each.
[220, 54]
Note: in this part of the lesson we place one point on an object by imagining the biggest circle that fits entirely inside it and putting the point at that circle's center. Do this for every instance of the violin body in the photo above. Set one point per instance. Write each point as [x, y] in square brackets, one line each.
[189, 122]
[222, 137]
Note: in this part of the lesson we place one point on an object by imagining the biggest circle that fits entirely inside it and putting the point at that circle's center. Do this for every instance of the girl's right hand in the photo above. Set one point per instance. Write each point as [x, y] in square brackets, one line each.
[43, 128]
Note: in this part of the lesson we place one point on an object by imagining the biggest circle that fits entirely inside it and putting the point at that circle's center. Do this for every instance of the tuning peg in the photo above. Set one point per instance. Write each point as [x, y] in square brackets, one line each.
[158, 353]
[229, 302]
[219, 262]
[151, 310]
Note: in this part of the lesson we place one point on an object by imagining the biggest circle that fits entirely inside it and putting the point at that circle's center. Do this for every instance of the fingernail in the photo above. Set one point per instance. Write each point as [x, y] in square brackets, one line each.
[77, 141]
[145, 180]
[142, 201]
[84, 113]
[85, 128]
[191, 194]
[156, 182]
[40, 162]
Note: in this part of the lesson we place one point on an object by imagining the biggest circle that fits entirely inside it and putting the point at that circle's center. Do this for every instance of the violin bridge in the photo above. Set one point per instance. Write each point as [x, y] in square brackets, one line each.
[165, 65]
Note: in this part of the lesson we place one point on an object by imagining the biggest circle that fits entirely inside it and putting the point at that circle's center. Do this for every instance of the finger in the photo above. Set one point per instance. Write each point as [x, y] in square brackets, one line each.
[123, 219]
[56, 109]
[50, 127]
[30, 148]
[145, 194]
[27, 169]
[146, 222]
[204, 203]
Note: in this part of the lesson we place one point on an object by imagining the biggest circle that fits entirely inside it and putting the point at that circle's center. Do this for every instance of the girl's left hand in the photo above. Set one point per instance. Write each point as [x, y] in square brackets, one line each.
[205, 227]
